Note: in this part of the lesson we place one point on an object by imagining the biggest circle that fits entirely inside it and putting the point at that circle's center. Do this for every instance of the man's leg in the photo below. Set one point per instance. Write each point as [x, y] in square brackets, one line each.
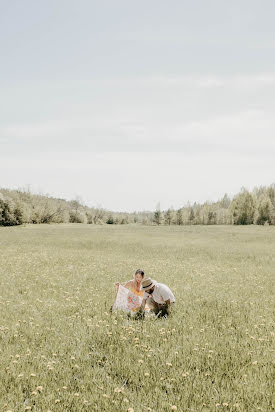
[152, 305]
[158, 309]
[165, 310]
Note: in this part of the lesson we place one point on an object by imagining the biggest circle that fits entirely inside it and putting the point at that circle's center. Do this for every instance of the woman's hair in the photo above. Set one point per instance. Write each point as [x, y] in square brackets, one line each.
[139, 272]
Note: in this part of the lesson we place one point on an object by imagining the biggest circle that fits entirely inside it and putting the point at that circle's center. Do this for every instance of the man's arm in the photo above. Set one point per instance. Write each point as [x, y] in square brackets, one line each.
[143, 303]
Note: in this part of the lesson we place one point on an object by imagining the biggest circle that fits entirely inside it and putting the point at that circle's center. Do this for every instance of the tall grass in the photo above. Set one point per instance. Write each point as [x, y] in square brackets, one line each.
[62, 350]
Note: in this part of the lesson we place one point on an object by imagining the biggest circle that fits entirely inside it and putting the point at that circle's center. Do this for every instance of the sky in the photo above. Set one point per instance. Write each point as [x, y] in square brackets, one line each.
[127, 104]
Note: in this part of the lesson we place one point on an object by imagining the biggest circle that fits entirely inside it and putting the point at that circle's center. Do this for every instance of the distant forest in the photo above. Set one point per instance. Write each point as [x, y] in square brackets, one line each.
[19, 207]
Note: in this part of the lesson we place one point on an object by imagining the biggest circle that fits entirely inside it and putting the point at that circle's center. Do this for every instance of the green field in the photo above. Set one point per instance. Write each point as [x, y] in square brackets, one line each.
[62, 350]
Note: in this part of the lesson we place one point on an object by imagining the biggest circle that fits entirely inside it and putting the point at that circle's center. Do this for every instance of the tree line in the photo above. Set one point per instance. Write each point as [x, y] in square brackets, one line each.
[257, 207]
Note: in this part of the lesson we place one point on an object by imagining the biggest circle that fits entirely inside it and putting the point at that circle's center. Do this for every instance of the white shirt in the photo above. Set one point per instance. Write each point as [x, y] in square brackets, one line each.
[161, 294]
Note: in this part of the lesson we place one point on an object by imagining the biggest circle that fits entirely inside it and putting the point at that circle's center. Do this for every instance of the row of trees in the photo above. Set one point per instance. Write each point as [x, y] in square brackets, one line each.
[19, 206]
[246, 208]
[256, 207]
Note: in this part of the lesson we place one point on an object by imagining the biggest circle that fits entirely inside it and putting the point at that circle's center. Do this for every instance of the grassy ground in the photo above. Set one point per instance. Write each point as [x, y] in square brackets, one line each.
[61, 350]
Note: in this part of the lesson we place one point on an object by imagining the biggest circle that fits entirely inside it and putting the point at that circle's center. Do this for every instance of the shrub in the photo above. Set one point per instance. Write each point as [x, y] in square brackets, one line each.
[264, 211]
[110, 220]
[10, 213]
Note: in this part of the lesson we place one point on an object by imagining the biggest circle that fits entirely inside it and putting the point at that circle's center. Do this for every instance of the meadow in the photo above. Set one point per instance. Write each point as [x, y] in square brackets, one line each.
[62, 350]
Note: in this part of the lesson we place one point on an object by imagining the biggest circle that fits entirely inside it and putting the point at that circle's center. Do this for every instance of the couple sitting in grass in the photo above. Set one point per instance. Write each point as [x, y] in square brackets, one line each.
[142, 294]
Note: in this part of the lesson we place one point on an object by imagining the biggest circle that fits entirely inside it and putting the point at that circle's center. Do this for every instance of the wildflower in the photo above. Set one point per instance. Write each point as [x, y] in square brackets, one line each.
[168, 364]
[146, 374]
[76, 394]
[65, 387]
[140, 361]
[39, 388]
[33, 375]
[28, 408]
[57, 401]
[174, 408]
[130, 410]
[254, 363]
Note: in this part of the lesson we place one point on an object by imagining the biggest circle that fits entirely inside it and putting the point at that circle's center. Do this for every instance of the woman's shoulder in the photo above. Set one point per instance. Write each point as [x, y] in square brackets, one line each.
[129, 284]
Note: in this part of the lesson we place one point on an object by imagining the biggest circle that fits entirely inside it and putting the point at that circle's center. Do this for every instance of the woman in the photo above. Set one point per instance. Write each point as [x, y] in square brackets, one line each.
[135, 284]
[135, 287]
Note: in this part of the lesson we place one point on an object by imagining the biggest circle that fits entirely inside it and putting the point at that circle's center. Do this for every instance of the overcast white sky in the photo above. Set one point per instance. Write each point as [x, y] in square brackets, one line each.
[131, 103]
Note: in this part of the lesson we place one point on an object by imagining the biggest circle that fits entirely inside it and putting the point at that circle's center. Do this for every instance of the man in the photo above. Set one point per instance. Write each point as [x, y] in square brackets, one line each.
[157, 296]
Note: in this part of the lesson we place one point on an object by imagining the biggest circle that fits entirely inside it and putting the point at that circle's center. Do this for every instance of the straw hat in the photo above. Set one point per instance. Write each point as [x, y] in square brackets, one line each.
[147, 284]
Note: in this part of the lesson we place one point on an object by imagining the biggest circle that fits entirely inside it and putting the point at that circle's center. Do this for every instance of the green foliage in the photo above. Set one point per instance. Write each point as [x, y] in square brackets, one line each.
[158, 217]
[264, 210]
[257, 207]
[77, 212]
[77, 217]
[18, 213]
[212, 218]
[179, 217]
[168, 217]
[191, 215]
[90, 217]
[10, 214]
[243, 208]
[110, 220]
[124, 220]
[98, 216]
[6, 215]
